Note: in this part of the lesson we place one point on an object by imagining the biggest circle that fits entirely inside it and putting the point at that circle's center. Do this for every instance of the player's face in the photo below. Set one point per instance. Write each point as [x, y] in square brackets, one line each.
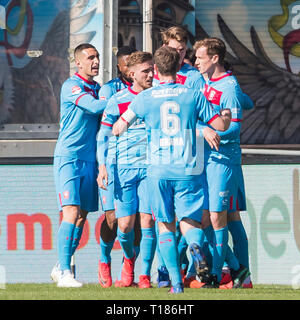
[180, 48]
[87, 63]
[143, 74]
[204, 63]
[123, 67]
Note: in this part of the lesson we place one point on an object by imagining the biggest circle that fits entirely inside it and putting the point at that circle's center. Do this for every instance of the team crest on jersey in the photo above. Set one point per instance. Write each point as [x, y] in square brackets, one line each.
[76, 90]
[102, 98]
[66, 194]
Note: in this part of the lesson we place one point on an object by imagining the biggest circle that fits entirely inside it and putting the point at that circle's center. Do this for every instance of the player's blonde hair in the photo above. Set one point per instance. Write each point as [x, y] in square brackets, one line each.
[176, 33]
[139, 57]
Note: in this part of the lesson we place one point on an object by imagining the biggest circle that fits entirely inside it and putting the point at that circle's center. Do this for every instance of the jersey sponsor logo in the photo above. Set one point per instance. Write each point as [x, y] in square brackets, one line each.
[212, 95]
[168, 92]
[102, 98]
[76, 90]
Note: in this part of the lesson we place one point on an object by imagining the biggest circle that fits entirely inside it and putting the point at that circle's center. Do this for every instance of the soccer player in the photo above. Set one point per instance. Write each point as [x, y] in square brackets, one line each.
[108, 231]
[223, 167]
[170, 111]
[177, 38]
[75, 169]
[130, 181]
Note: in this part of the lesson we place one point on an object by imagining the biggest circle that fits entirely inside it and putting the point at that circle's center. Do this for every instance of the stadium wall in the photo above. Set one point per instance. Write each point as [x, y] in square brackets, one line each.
[29, 221]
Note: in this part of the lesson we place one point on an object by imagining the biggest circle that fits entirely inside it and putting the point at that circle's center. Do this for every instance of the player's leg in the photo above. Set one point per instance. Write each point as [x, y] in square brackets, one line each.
[188, 205]
[126, 208]
[108, 230]
[219, 179]
[163, 209]
[67, 173]
[240, 248]
[237, 230]
[163, 279]
[148, 239]
[147, 246]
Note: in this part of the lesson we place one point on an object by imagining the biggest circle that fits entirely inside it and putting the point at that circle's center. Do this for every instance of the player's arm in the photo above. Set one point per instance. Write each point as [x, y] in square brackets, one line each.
[135, 110]
[82, 99]
[247, 102]
[106, 92]
[221, 122]
[104, 135]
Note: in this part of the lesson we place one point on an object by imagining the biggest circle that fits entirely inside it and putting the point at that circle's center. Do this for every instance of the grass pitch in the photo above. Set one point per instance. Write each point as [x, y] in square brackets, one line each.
[95, 292]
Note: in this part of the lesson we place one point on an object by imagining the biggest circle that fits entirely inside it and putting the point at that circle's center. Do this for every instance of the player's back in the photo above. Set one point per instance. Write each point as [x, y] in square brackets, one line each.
[78, 127]
[170, 111]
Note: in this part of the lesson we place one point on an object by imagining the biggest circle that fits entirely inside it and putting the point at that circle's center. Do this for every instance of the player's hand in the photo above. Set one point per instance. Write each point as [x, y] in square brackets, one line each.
[102, 176]
[212, 137]
[119, 127]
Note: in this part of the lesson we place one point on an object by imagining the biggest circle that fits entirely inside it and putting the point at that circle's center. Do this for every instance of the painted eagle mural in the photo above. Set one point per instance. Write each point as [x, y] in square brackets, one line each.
[31, 94]
[274, 90]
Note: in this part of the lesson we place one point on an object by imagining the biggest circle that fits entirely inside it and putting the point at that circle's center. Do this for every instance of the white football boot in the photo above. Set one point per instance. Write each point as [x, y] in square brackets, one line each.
[67, 280]
[56, 272]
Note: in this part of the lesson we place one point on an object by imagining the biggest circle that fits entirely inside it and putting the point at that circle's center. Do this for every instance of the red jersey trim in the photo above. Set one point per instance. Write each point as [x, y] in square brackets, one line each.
[85, 80]
[236, 120]
[124, 120]
[134, 92]
[76, 102]
[213, 118]
[224, 76]
[106, 124]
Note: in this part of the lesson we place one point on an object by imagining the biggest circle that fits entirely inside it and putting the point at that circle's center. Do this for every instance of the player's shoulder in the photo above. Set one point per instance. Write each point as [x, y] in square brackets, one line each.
[72, 85]
[188, 67]
[112, 83]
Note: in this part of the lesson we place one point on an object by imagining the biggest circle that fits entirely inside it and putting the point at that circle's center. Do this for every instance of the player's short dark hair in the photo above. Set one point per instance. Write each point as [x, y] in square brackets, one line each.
[139, 57]
[176, 33]
[83, 46]
[167, 60]
[190, 54]
[125, 51]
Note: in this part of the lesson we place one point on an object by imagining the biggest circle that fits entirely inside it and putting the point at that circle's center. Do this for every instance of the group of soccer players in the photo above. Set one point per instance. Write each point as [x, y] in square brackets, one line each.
[167, 161]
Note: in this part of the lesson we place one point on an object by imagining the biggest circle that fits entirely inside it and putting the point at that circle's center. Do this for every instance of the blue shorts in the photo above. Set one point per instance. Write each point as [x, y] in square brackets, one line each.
[180, 198]
[221, 184]
[76, 183]
[238, 201]
[131, 192]
[107, 196]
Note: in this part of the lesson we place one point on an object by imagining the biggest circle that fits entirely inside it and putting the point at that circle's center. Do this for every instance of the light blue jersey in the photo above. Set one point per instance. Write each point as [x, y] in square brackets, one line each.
[187, 75]
[131, 146]
[79, 119]
[170, 111]
[106, 92]
[225, 92]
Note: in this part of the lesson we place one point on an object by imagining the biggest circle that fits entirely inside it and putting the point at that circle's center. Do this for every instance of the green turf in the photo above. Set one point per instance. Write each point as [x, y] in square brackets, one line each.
[95, 292]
